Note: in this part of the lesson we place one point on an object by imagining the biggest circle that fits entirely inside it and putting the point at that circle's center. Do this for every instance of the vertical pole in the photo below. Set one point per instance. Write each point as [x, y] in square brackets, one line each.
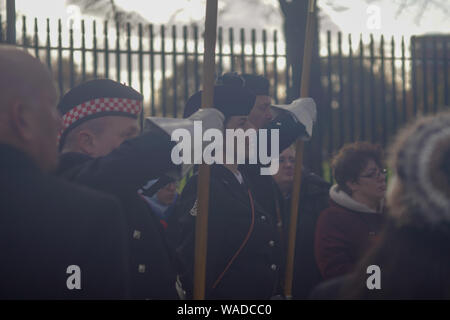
[220, 40]
[372, 92]
[11, 21]
[253, 35]
[445, 59]
[414, 71]
[304, 90]
[25, 43]
[435, 76]
[330, 102]
[106, 46]
[36, 38]
[48, 47]
[404, 111]
[341, 93]
[1, 28]
[383, 95]
[141, 72]
[163, 71]
[264, 39]
[231, 39]
[60, 63]
[83, 51]
[288, 97]
[196, 54]
[362, 102]
[351, 104]
[275, 66]
[394, 88]
[118, 67]
[94, 48]
[243, 51]
[152, 71]
[174, 70]
[201, 227]
[424, 48]
[186, 63]
[129, 61]
[71, 59]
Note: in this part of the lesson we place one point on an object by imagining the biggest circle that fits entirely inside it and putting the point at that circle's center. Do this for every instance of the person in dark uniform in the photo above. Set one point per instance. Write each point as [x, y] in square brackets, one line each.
[243, 255]
[101, 149]
[314, 190]
[57, 240]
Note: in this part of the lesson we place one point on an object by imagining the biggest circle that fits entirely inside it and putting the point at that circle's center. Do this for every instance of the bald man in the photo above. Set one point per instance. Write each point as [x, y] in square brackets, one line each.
[57, 240]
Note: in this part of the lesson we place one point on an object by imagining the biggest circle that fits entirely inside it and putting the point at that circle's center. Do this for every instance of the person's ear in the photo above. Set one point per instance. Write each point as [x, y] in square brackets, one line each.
[85, 141]
[22, 120]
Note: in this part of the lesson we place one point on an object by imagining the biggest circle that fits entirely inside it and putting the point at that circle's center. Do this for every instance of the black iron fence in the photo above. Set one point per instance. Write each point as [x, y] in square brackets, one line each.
[369, 87]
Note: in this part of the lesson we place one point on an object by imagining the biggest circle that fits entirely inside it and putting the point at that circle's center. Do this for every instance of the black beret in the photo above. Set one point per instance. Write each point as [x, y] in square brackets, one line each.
[97, 98]
[230, 100]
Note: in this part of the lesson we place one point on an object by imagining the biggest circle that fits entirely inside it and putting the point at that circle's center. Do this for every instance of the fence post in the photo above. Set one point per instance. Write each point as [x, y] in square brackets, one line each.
[11, 21]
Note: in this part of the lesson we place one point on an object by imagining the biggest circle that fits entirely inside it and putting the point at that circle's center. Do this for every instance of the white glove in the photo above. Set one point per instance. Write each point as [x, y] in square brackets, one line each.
[302, 109]
[210, 117]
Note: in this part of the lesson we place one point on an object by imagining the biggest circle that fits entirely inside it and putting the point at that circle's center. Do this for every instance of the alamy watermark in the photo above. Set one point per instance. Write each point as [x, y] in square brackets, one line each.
[249, 146]
[374, 280]
[74, 280]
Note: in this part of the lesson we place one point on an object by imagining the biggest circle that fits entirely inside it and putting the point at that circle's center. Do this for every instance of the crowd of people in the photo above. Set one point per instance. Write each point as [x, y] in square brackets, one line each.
[91, 206]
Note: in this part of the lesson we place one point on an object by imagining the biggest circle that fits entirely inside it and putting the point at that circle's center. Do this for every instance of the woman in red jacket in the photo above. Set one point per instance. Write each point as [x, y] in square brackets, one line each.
[350, 225]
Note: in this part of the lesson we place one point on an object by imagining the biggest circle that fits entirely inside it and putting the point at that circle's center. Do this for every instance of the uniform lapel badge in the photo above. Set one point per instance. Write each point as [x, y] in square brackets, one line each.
[193, 211]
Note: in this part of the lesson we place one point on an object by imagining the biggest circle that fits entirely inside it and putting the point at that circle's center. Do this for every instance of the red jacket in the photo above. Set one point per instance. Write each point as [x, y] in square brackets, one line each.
[344, 233]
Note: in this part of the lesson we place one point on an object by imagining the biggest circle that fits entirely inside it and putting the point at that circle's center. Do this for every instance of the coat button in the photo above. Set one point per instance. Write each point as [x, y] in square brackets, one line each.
[273, 267]
[141, 268]
[136, 234]
[271, 243]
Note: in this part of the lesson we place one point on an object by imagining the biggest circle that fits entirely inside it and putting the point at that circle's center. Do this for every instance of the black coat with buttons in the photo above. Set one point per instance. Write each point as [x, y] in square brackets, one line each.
[122, 173]
[243, 254]
[47, 225]
[313, 199]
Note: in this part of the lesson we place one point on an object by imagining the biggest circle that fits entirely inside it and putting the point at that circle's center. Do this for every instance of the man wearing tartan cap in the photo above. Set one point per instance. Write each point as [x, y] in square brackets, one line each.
[101, 147]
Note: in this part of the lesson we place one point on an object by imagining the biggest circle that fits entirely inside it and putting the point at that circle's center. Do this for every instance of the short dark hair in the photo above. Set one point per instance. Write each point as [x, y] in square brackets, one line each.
[351, 160]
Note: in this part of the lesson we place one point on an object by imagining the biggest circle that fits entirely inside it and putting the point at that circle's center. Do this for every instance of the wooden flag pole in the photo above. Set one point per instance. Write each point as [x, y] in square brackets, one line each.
[201, 223]
[304, 89]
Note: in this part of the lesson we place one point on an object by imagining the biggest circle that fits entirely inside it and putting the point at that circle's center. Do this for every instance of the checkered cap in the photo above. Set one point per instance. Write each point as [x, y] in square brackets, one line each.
[94, 99]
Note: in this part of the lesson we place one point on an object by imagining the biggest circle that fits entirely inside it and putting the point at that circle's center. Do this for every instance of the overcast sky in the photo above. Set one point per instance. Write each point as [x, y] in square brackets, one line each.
[350, 16]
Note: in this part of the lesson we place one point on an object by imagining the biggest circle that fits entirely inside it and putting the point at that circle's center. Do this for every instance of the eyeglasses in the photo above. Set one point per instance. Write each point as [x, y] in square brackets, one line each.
[375, 174]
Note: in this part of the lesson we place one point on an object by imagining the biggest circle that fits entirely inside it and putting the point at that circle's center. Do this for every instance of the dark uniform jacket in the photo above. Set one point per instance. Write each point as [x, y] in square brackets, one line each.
[313, 199]
[122, 173]
[243, 260]
[47, 225]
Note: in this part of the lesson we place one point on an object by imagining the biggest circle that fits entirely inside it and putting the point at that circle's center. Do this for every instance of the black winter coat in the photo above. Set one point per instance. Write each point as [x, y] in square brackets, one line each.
[122, 173]
[252, 272]
[314, 198]
[47, 225]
